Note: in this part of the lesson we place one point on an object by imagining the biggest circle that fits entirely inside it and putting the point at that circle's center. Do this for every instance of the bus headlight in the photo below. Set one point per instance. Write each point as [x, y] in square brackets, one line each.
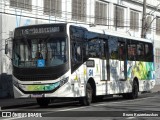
[63, 81]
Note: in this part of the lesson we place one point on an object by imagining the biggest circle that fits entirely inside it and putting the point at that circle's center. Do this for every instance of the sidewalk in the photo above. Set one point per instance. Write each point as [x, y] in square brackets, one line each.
[13, 103]
[156, 89]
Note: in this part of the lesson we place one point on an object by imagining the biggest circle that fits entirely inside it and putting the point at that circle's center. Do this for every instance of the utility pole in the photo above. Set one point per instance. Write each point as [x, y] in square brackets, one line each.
[143, 32]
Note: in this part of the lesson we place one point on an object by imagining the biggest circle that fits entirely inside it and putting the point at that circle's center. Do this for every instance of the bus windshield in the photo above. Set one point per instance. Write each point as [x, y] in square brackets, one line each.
[40, 52]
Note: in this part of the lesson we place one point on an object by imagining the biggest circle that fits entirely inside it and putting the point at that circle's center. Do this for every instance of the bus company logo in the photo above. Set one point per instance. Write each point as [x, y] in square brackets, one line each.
[6, 114]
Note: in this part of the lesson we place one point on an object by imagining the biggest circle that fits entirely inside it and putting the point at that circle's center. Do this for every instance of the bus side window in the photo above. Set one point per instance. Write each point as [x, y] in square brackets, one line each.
[113, 47]
[76, 53]
[131, 51]
[140, 51]
[148, 52]
[121, 49]
[94, 48]
[102, 49]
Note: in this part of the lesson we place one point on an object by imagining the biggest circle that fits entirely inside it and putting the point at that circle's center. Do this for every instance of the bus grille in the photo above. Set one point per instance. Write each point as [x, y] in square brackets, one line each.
[35, 78]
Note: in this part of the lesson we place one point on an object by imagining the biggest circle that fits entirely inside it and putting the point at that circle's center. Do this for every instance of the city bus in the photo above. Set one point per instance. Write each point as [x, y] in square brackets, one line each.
[62, 60]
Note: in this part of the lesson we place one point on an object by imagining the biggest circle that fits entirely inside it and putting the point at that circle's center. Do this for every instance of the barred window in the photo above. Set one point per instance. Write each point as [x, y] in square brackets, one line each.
[134, 20]
[101, 13]
[158, 26]
[79, 10]
[118, 16]
[23, 4]
[53, 7]
[148, 21]
[157, 55]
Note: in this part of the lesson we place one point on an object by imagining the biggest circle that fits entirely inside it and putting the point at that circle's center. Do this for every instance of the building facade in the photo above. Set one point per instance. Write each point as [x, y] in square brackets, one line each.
[124, 16]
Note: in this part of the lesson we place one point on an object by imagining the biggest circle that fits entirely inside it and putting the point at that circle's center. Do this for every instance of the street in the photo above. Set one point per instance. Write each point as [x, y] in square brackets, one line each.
[116, 108]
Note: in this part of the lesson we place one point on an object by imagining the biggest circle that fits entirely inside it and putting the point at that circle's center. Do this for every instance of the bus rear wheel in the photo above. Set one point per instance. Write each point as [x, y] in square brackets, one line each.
[43, 102]
[134, 93]
[86, 101]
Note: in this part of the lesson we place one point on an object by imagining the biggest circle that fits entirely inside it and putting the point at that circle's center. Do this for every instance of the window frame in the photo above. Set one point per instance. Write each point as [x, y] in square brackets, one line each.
[134, 22]
[79, 9]
[53, 7]
[101, 17]
[22, 4]
[118, 22]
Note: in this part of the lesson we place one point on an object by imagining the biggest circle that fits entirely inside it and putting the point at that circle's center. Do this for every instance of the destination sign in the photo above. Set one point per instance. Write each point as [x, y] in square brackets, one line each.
[38, 30]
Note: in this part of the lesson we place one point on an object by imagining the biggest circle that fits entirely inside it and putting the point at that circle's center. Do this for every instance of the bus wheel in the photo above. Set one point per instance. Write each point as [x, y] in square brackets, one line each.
[98, 98]
[126, 95]
[86, 101]
[43, 102]
[134, 93]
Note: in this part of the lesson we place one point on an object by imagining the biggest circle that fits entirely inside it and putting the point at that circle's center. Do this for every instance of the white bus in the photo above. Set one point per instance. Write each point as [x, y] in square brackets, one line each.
[70, 61]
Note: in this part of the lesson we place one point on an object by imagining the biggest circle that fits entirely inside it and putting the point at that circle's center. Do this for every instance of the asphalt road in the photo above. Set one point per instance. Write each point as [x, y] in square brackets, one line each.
[146, 107]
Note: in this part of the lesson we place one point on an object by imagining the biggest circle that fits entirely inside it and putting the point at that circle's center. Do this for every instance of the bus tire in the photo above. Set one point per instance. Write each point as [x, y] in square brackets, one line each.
[126, 95]
[86, 101]
[98, 98]
[134, 93]
[43, 102]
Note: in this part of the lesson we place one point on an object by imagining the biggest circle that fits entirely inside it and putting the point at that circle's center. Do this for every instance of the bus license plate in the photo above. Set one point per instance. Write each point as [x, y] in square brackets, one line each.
[36, 95]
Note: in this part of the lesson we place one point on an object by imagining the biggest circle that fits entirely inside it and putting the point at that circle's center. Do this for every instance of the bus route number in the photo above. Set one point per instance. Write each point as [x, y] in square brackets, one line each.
[90, 72]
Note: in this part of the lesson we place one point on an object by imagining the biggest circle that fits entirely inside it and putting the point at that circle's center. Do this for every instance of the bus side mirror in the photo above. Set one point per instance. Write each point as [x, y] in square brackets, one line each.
[6, 48]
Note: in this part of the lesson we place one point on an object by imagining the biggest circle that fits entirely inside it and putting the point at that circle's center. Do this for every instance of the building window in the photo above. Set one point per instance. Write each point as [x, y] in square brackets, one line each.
[101, 13]
[79, 10]
[23, 4]
[118, 16]
[134, 20]
[53, 7]
[158, 26]
[157, 55]
[148, 21]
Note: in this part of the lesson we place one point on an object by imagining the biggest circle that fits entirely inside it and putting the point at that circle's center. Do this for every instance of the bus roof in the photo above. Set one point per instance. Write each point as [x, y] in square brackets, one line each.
[37, 25]
[112, 33]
